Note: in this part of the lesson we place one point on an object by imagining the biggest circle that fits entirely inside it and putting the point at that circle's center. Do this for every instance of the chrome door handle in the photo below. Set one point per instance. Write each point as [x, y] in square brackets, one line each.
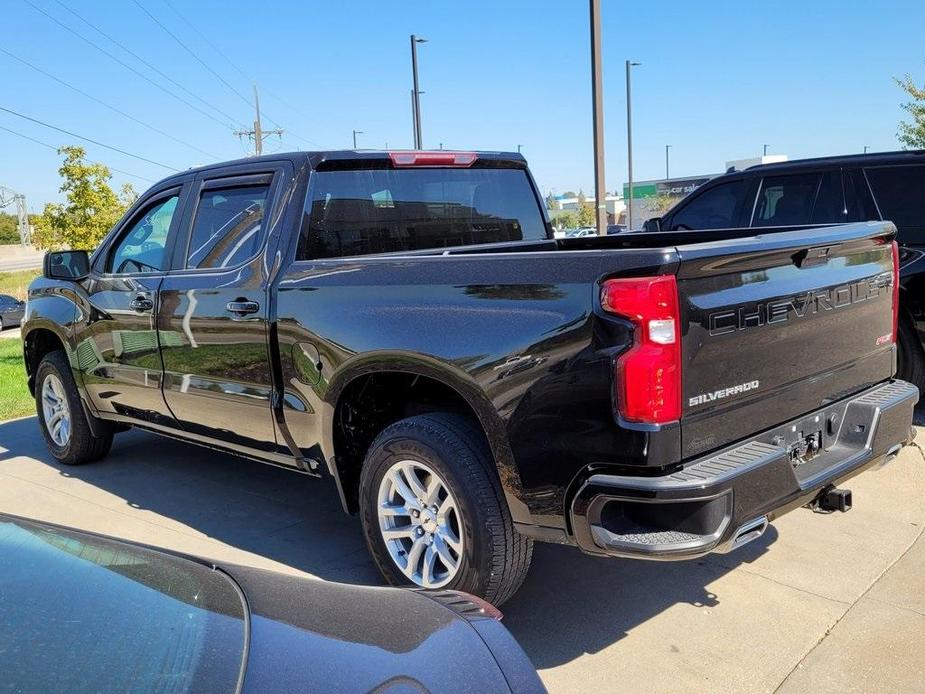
[140, 304]
[242, 307]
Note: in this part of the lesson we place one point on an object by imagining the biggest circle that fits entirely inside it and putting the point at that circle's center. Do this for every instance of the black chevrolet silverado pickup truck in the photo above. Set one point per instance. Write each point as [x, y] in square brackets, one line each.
[406, 324]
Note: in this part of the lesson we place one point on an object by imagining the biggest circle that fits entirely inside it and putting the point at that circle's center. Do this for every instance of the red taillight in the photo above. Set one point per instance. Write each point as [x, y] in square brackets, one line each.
[895, 291]
[648, 375]
[403, 159]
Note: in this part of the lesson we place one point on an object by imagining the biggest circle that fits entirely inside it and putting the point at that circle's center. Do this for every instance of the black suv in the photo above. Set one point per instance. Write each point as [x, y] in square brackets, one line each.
[829, 190]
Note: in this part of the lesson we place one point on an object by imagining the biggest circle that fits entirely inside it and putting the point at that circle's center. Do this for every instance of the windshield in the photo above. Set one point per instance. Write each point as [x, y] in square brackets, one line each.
[83, 614]
[357, 212]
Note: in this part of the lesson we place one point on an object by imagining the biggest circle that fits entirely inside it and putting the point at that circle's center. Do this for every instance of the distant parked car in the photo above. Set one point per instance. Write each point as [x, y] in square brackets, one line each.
[11, 311]
[83, 612]
[580, 233]
[615, 229]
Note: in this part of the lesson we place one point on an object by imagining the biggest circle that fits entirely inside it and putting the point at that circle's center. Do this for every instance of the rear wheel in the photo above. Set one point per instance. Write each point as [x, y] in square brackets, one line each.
[910, 359]
[61, 415]
[434, 513]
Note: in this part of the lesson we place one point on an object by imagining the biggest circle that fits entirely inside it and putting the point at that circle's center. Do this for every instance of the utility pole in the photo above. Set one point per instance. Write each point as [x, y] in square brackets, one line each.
[518, 148]
[258, 133]
[416, 91]
[866, 147]
[355, 133]
[8, 196]
[597, 119]
[25, 235]
[765, 152]
[667, 147]
[629, 144]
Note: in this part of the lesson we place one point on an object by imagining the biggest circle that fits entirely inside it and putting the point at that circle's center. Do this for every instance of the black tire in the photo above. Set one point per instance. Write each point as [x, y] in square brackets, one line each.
[495, 557]
[82, 446]
[910, 359]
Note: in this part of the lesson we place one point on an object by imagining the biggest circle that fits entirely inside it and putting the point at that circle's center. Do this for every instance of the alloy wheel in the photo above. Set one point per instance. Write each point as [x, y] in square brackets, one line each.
[56, 412]
[420, 524]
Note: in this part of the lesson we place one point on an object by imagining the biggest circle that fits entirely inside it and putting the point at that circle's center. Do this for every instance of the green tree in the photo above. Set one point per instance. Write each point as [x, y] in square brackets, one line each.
[912, 133]
[551, 202]
[9, 228]
[662, 204]
[570, 194]
[566, 220]
[586, 216]
[92, 207]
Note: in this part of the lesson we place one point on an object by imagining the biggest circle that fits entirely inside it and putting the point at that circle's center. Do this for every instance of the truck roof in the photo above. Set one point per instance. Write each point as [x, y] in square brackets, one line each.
[331, 158]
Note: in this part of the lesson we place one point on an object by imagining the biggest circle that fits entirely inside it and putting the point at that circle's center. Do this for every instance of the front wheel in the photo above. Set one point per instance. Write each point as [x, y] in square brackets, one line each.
[434, 513]
[61, 415]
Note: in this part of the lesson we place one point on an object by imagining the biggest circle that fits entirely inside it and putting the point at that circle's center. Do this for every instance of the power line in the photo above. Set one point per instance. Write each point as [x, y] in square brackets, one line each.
[243, 74]
[192, 53]
[103, 103]
[126, 65]
[145, 62]
[52, 147]
[206, 40]
[82, 137]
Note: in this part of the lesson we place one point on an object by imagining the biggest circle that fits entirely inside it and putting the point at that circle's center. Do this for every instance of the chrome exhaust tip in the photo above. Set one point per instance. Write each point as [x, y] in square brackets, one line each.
[748, 532]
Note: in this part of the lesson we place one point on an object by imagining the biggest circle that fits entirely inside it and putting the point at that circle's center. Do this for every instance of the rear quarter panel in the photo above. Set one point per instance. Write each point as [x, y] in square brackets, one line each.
[514, 333]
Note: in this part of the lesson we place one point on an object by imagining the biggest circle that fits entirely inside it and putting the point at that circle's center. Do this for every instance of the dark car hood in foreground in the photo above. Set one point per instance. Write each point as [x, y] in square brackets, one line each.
[83, 612]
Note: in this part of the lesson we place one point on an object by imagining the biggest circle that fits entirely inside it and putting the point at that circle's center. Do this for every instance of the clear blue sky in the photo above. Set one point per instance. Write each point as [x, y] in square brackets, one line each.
[718, 80]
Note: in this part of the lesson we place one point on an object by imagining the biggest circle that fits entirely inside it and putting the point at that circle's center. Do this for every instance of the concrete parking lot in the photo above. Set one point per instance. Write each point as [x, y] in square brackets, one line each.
[829, 603]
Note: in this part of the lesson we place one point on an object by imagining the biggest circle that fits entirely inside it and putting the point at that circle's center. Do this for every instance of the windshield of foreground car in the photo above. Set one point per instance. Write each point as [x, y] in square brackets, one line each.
[81, 614]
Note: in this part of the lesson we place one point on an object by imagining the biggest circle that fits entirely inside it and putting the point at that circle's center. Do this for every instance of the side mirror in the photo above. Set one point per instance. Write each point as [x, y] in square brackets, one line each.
[653, 224]
[66, 265]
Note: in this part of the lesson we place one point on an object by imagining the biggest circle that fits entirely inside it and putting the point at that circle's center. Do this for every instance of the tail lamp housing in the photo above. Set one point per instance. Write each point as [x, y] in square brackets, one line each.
[647, 378]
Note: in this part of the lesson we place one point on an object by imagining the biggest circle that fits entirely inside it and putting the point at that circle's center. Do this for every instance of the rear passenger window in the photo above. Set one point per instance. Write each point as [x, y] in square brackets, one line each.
[786, 200]
[358, 212]
[228, 228]
[900, 194]
[830, 200]
[717, 208]
[858, 200]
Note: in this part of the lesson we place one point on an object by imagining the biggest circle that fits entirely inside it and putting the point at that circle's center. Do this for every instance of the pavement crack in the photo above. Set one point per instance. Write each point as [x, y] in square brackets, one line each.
[851, 607]
[906, 608]
[792, 587]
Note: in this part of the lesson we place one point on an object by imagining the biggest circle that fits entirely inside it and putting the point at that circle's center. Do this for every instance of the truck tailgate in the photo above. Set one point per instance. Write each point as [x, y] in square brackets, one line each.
[777, 325]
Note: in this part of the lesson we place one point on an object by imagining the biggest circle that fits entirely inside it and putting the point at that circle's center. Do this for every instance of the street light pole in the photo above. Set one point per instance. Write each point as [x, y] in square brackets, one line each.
[355, 133]
[597, 119]
[416, 92]
[667, 147]
[765, 153]
[866, 147]
[629, 144]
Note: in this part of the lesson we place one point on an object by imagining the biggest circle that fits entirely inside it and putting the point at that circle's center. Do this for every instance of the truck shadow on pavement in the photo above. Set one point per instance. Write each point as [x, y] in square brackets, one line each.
[570, 604]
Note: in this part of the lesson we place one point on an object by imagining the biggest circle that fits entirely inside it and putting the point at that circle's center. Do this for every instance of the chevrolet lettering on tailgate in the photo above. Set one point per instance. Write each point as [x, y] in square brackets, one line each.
[724, 322]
